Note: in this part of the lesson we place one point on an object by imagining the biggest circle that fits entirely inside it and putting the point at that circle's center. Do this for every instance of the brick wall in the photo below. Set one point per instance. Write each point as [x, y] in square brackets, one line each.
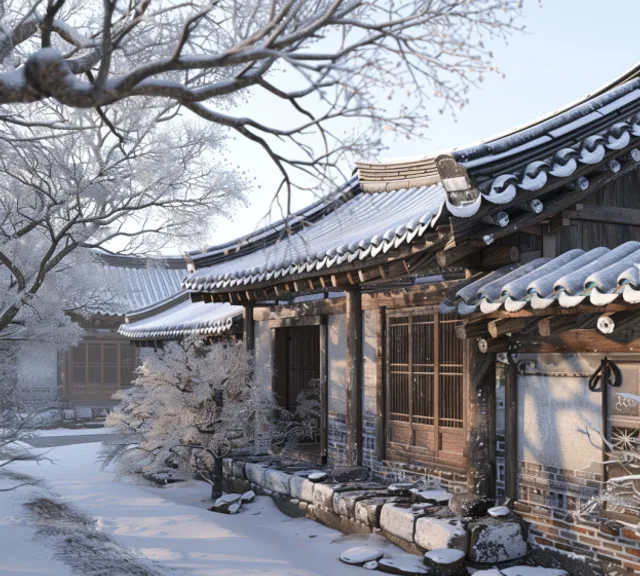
[337, 438]
[550, 499]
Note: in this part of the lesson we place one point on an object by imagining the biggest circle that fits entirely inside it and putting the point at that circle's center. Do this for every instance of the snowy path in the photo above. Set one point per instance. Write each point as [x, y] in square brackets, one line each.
[167, 528]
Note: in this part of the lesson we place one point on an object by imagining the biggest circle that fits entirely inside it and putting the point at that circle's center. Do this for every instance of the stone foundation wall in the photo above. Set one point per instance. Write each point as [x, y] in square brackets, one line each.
[337, 438]
[550, 499]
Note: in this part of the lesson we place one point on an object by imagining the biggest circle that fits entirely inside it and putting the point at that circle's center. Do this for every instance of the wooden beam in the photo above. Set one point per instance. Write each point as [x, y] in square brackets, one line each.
[354, 376]
[551, 325]
[446, 258]
[249, 328]
[620, 322]
[497, 256]
[492, 346]
[381, 397]
[511, 430]
[298, 321]
[503, 326]
[480, 376]
[472, 330]
[324, 387]
[606, 214]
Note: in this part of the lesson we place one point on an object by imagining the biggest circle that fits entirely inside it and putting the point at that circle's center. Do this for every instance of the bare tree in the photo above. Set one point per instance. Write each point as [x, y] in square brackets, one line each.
[65, 194]
[332, 63]
[621, 492]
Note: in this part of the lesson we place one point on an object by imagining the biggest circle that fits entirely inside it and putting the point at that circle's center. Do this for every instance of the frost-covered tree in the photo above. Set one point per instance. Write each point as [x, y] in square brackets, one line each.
[190, 405]
[343, 70]
[64, 194]
[621, 491]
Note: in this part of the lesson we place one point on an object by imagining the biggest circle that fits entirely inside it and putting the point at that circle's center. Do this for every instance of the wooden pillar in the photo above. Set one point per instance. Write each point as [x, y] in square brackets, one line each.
[511, 431]
[248, 332]
[381, 396]
[480, 376]
[354, 376]
[324, 387]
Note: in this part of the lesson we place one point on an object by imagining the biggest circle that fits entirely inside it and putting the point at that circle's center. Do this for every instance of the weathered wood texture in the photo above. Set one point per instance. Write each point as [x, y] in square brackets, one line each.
[511, 430]
[249, 328]
[381, 389]
[354, 376]
[480, 376]
[623, 192]
[324, 387]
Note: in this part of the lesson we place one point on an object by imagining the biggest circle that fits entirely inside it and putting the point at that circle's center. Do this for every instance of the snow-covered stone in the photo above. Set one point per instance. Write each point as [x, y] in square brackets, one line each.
[323, 496]
[432, 496]
[446, 562]
[361, 555]
[404, 566]
[248, 496]
[421, 506]
[368, 511]
[435, 533]
[256, 473]
[228, 498]
[490, 572]
[466, 504]
[301, 488]
[318, 476]
[400, 488]
[235, 508]
[344, 503]
[373, 565]
[532, 571]
[499, 512]
[496, 540]
[277, 481]
[398, 521]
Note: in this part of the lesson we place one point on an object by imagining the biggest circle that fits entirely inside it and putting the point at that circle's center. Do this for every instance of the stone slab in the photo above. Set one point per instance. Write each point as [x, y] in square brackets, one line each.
[398, 521]
[301, 488]
[344, 503]
[433, 533]
[368, 511]
[256, 473]
[493, 540]
[277, 481]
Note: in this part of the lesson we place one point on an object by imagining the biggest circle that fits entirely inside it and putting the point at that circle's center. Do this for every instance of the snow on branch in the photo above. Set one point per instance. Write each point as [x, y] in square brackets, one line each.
[338, 74]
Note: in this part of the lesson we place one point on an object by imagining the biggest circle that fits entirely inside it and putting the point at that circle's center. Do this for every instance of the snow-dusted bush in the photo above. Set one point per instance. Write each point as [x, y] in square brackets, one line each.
[190, 405]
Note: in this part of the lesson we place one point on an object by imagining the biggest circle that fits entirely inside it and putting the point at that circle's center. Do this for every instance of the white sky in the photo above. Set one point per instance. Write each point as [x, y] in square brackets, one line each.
[571, 48]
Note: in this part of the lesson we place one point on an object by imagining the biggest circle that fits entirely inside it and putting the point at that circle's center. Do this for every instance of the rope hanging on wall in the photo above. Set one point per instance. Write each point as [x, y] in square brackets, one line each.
[608, 372]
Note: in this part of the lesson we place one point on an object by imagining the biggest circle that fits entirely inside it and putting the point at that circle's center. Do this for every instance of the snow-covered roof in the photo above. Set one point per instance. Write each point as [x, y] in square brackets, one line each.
[178, 317]
[598, 277]
[143, 281]
[526, 159]
[352, 226]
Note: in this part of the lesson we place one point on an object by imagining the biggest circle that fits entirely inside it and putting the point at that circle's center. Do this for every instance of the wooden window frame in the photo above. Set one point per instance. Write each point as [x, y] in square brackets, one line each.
[439, 454]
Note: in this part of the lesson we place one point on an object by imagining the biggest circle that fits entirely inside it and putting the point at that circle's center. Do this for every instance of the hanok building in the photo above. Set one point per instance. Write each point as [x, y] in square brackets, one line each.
[86, 376]
[455, 308]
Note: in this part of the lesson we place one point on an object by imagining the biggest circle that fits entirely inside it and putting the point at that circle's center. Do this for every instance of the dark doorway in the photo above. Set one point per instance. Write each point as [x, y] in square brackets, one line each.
[298, 371]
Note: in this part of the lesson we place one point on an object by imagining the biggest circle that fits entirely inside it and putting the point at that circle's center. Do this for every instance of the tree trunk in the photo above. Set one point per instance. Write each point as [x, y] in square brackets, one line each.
[216, 479]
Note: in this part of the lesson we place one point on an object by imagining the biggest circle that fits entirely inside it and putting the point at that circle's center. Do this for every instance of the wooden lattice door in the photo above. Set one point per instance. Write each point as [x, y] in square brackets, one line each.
[425, 392]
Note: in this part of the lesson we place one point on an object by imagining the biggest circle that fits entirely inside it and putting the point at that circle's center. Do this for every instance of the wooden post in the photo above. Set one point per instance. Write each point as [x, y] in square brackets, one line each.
[381, 398]
[480, 376]
[324, 387]
[511, 431]
[354, 376]
[248, 328]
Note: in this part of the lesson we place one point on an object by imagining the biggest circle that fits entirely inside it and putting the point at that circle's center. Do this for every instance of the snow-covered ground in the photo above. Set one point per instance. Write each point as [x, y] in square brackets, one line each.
[55, 432]
[143, 529]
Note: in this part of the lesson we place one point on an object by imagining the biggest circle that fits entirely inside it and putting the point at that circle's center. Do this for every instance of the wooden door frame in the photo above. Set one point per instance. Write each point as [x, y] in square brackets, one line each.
[279, 324]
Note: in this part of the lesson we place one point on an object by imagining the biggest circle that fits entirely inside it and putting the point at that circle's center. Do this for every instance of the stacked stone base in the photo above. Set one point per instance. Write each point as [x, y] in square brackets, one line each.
[416, 521]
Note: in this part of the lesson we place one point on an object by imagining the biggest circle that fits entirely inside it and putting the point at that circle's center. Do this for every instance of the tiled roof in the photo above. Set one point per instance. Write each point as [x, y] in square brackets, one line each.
[144, 281]
[179, 317]
[598, 277]
[361, 226]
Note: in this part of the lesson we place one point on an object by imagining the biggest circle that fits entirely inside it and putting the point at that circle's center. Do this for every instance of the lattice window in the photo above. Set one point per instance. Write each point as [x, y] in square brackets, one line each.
[425, 395]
